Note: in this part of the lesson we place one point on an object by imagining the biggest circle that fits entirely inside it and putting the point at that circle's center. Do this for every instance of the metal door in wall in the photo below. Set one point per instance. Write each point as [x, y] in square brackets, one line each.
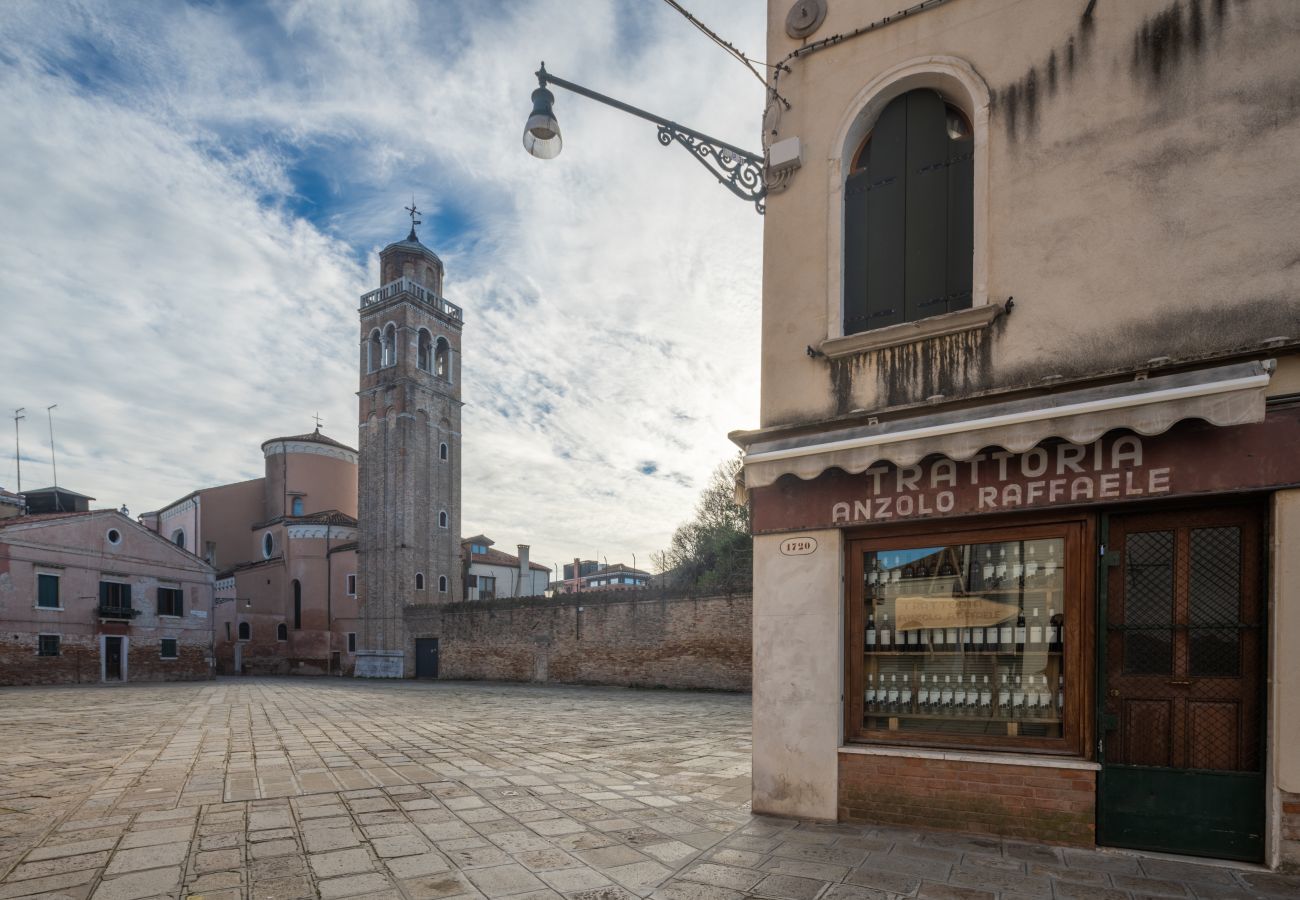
[1182, 684]
[426, 657]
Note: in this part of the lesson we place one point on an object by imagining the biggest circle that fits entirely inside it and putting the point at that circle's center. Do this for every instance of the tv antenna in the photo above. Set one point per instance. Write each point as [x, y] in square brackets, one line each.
[58, 503]
[18, 453]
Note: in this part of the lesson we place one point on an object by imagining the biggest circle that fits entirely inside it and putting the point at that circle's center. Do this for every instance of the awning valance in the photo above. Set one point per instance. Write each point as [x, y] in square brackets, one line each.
[1226, 395]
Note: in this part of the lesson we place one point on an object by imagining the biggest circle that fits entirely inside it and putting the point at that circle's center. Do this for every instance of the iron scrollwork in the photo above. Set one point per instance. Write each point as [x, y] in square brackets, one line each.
[739, 172]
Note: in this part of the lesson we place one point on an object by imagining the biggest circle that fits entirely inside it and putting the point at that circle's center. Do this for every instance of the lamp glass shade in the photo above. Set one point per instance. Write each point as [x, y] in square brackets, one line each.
[542, 131]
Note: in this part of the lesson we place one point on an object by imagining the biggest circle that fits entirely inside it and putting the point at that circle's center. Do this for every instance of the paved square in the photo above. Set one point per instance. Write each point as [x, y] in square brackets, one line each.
[306, 788]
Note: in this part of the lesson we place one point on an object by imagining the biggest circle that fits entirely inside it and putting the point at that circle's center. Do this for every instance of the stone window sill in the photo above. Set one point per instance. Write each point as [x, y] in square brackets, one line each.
[973, 319]
[49, 608]
[975, 756]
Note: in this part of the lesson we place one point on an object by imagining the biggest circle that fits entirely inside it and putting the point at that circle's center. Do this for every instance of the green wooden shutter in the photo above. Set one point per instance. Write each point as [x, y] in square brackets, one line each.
[103, 593]
[926, 269]
[126, 596]
[961, 222]
[47, 591]
[874, 214]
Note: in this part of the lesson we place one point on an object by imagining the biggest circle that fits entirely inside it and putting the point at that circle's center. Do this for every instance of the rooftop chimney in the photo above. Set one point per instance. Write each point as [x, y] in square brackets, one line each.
[523, 565]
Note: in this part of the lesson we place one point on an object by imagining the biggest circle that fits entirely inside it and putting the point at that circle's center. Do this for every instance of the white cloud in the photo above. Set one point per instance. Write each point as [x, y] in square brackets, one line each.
[158, 283]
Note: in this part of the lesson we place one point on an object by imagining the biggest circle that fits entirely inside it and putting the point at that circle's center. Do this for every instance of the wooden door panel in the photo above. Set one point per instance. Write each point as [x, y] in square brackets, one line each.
[1213, 734]
[1148, 732]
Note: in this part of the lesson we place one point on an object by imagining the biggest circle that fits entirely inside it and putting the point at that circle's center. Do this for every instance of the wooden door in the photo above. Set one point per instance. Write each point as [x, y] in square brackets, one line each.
[1183, 674]
[112, 659]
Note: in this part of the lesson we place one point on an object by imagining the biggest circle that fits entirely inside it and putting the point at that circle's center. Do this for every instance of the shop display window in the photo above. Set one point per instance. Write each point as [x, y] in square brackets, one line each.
[964, 639]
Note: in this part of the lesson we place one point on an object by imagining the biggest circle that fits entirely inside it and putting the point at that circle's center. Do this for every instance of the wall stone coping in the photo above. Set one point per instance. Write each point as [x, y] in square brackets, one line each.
[996, 759]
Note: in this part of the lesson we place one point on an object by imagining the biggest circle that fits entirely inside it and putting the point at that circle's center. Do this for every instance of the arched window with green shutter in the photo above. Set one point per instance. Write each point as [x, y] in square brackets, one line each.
[909, 216]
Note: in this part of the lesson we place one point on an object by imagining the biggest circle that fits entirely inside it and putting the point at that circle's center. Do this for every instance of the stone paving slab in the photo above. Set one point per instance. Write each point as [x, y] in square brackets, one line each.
[298, 789]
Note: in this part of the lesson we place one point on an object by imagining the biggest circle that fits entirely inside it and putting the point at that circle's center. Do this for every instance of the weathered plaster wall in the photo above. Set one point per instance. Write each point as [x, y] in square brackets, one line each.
[1140, 167]
[798, 639]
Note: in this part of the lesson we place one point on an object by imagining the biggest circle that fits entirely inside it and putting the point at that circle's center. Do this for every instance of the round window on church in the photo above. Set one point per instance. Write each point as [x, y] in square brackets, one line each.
[114, 536]
[268, 545]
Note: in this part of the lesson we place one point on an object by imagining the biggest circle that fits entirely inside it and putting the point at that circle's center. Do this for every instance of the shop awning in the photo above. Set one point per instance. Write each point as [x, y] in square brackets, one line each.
[1227, 395]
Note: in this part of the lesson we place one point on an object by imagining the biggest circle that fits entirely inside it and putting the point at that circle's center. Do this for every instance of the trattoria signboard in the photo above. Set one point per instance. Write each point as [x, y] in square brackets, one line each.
[1191, 458]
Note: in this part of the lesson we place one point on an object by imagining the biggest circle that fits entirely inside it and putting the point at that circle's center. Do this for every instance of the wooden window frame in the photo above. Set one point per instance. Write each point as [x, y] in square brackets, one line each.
[176, 604]
[58, 595]
[1079, 658]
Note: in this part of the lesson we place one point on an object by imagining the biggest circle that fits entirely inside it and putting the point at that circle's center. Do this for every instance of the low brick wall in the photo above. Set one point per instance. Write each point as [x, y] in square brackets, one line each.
[78, 661]
[1029, 802]
[630, 639]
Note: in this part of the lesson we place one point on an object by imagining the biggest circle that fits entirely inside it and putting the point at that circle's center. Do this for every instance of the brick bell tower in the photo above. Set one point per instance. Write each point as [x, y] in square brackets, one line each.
[409, 466]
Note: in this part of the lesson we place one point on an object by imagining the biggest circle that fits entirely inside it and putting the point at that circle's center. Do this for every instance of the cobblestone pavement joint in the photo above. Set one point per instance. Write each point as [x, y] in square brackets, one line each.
[279, 789]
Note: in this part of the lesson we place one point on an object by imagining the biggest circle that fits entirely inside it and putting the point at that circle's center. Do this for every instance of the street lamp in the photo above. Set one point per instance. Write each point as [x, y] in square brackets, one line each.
[739, 171]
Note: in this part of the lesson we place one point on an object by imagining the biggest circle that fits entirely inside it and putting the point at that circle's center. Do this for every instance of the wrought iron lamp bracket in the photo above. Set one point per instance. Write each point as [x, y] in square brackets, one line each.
[739, 171]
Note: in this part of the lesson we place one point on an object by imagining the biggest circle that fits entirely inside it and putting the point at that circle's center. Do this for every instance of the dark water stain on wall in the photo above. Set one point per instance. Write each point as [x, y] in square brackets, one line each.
[951, 365]
[1019, 100]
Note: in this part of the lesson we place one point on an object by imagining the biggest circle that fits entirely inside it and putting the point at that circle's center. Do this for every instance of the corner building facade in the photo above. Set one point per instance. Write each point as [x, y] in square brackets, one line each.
[409, 449]
[1025, 490]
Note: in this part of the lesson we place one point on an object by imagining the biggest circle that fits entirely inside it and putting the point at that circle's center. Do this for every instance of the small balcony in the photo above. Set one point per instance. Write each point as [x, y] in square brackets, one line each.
[121, 613]
[409, 286]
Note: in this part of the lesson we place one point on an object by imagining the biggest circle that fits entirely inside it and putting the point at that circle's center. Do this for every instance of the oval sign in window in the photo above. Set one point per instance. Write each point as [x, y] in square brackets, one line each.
[798, 546]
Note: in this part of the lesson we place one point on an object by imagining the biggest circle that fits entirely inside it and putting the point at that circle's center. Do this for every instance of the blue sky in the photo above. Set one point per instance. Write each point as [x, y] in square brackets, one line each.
[194, 195]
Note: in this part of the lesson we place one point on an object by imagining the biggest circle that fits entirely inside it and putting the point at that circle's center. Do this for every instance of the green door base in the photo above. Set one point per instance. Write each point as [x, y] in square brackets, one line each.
[1197, 813]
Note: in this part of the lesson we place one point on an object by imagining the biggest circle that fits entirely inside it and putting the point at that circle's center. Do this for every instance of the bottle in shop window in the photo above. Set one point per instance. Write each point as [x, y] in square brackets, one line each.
[893, 693]
[1020, 633]
[1004, 698]
[977, 638]
[1060, 696]
[1035, 631]
[1006, 637]
[945, 696]
[936, 640]
[1049, 565]
[1031, 564]
[869, 637]
[905, 697]
[1017, 567]
[988, 568]
[959, 698]
[1000, 570]
[1018, 698]
[885, 636]
[986, 698]
[922, 696]
[1053, 631]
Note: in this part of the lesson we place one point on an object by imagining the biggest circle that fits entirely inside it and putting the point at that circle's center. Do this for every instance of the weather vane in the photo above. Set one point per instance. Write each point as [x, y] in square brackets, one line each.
[414, 221]
[317, 418]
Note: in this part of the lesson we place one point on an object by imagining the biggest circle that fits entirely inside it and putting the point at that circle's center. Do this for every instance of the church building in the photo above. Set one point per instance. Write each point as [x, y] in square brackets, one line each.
[409, 470]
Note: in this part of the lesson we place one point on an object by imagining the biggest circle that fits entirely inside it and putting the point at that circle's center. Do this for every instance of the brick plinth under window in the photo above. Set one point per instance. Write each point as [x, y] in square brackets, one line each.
[1030, 802]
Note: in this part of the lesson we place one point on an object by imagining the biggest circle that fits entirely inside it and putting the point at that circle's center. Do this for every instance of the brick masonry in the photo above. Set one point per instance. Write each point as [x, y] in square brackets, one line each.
[1030, 802]
[78, 661]
[672, 642]
[1289, 850]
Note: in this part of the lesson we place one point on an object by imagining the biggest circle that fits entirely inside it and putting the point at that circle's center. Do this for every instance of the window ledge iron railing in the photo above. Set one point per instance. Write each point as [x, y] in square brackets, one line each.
[421, 293]
[117, 612]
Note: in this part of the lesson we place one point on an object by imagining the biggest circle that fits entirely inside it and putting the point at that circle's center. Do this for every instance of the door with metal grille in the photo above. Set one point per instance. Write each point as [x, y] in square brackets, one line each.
[1181, 699]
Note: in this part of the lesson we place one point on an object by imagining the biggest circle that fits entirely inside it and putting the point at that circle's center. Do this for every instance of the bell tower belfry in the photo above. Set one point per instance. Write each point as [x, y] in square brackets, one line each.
[409, 406]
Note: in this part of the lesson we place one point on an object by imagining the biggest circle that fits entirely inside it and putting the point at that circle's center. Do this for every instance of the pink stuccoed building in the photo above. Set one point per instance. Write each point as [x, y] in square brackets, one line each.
[284, 550]
[92, 596]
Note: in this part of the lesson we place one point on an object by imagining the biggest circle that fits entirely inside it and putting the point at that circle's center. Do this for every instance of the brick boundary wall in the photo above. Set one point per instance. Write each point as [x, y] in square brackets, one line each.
[635, 640]
[1030, 802]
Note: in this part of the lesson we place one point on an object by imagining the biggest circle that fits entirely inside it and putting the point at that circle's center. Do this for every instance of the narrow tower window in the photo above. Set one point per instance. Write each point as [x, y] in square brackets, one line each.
[442, 584]
[424, 351]
[244, 631]
[297, 506]
[374, 351]
[419, 581]
[442, 452]
[390, 345]
[297, 605]
[442, 519]
[442, 359]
